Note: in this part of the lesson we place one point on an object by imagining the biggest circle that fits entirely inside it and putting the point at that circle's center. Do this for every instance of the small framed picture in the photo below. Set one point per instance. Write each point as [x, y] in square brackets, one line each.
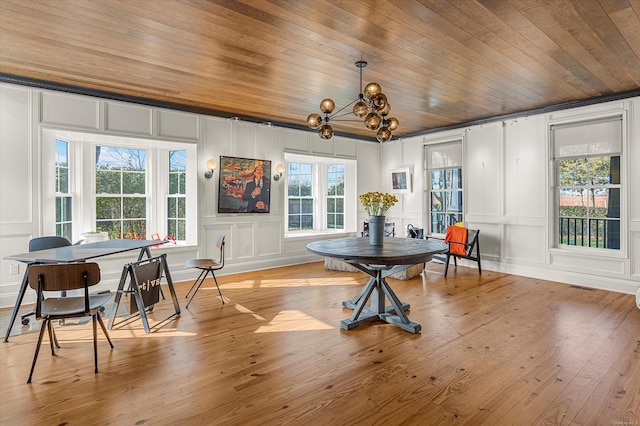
[401, 180]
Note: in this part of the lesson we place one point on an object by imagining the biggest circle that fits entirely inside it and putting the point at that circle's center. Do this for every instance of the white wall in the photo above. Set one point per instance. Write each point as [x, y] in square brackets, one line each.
[254, 241]
[507, 195]
[506, 168]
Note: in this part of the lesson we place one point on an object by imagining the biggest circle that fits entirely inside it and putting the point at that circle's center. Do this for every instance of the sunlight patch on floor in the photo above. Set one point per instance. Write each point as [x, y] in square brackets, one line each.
[298, 282]
[244, 310]
[293, 321]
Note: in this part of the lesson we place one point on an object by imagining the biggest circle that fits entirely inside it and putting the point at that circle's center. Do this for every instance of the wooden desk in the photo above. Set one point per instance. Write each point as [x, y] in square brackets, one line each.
[378, 262]
[75, 253]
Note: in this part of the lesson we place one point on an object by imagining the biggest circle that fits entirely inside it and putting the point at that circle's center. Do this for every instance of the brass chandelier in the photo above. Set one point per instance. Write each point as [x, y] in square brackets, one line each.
[371, 107]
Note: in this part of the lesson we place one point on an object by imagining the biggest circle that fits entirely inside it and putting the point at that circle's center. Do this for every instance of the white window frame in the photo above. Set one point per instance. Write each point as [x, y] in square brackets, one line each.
[454, 162]
[83, 180]
[178, 195]
[335, 197]
[58, 194]
[319, 193]
[554, 244]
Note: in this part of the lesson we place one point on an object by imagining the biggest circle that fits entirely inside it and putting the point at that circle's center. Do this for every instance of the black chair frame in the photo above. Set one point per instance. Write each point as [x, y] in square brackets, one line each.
[45, 278]
[206, 266]
[389, 229]
[472, 245]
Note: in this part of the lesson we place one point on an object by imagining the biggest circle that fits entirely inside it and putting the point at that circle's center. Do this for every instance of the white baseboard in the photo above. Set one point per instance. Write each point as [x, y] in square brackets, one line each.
[619, 285]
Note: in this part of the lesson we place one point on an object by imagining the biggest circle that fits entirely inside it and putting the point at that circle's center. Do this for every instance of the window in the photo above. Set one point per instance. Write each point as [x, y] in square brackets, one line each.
[444, 170]
[121, 198]
[64, 200]
[300, 196]
[587, 161]
[177, 199]
[128, 187]
[321, 195]
[335, 196]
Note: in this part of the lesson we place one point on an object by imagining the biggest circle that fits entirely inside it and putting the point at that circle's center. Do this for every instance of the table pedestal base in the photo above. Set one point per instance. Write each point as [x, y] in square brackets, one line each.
[376, 291]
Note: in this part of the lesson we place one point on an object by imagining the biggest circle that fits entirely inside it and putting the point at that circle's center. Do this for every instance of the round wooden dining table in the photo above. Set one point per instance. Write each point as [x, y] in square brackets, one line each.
[378, 262]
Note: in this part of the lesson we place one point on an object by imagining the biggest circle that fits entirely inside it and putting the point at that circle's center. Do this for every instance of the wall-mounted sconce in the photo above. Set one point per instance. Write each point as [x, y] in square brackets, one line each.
[211, 166]
[279, 171]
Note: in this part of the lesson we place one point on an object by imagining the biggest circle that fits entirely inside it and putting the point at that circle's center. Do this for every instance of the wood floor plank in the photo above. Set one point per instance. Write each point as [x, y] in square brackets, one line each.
[494, 349]
[550, 369]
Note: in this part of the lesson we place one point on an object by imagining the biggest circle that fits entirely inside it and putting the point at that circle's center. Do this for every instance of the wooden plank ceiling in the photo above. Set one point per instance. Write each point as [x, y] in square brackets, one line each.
[440, 63]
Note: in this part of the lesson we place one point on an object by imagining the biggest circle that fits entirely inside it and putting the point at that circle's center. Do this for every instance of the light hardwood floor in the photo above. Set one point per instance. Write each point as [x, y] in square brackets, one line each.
[495, 349]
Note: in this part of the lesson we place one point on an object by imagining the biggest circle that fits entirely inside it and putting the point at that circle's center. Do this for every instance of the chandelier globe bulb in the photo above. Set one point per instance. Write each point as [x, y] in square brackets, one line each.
[378, 101]
[392, 123]
[326, 132]
[314, 120]
[383, 135]
[371, 89]
[360, 109]
[327, 106]
[372, 121]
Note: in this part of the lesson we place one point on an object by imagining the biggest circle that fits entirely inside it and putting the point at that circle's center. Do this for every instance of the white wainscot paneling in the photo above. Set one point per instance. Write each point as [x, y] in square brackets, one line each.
[413, 219]
[524, 243]
[11, 244]
[346, 147]
[296, 140]
[412, 153]
[483, 167]
[179, 125]
[412, 202]
[293, 246]
[268, 145]
[607, 266]
[490, 238]
[244, 140]
[69, 110]
[391, 156]
[244, 236]
[322, 146]
[525, 171]
[217, 137]
[128, 118]
[269, 240]
[369, 176]
[16, 182]
[635, 254]
[209, 248]
[634, 170]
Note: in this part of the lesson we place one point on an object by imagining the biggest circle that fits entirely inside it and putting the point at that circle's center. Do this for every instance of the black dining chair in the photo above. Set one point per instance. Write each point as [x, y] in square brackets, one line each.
[466, 248]
[43, 243]
[47, 242]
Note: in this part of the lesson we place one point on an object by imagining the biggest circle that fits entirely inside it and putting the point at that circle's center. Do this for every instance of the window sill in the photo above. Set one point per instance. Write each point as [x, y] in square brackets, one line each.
[174, 246]
[308, 234]
[588, 252]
